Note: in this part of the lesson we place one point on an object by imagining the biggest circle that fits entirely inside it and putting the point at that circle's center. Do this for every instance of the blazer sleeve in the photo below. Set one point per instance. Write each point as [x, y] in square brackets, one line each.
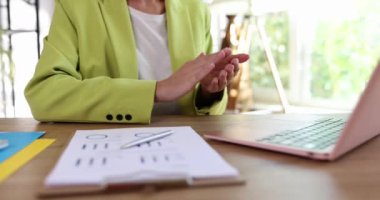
[58, 92]
[219, 106]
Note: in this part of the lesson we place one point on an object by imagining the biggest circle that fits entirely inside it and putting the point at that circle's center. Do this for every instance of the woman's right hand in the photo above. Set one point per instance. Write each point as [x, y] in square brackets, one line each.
[184, 80]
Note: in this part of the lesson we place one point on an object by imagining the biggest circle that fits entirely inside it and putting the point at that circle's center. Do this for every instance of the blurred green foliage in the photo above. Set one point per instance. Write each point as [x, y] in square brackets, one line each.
[343, 54]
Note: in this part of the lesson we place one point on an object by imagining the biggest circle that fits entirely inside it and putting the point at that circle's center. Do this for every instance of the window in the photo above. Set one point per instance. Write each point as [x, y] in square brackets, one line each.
[325, 51]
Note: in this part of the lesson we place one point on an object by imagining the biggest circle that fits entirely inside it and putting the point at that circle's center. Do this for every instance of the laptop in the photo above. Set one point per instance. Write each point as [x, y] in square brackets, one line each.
[320, 137]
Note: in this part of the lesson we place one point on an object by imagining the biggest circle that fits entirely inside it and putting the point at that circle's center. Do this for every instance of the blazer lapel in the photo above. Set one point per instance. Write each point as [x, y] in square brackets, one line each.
[182, 46]
[180, 35]
[120, 31]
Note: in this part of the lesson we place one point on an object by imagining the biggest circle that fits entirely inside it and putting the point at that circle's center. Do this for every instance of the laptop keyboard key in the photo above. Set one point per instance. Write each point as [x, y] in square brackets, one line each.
[319, 135]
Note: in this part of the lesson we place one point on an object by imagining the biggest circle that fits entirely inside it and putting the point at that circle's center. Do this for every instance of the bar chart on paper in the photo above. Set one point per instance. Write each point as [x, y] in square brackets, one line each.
[103, 151]
[96, 157]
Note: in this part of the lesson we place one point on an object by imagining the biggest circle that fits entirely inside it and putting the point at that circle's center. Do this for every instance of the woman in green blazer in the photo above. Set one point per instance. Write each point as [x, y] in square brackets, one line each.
[88, 70]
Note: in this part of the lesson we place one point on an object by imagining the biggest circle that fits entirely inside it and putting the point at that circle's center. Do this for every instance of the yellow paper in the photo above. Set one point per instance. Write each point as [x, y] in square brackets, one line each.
[13, 163]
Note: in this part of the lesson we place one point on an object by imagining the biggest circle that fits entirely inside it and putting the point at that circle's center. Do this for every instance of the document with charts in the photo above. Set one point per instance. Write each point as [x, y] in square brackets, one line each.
[95, 157]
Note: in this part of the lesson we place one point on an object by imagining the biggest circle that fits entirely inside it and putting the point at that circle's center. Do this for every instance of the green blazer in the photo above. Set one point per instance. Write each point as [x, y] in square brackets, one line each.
[88, 69]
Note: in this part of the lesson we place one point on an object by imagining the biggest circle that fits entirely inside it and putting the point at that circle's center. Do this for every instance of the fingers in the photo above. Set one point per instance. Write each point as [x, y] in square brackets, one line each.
[235, 63]
[230, 70]
[218, 83]
[231, 59]
[213, 87]
[225, 68]
[203, 71]
[216, 57]
[223, 57]
[240, 57]
[227, 51]
[222, 80]
[206, 63]
[204, 59]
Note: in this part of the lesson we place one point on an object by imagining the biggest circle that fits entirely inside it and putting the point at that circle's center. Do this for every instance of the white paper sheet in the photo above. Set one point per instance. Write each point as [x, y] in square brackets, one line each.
[94, 157]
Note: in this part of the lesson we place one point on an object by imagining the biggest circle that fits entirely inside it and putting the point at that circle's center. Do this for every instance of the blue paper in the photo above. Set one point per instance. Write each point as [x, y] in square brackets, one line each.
[16, 142]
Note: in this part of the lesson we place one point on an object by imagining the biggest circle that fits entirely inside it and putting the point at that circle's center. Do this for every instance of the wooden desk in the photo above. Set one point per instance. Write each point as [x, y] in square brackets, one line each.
[268, 175]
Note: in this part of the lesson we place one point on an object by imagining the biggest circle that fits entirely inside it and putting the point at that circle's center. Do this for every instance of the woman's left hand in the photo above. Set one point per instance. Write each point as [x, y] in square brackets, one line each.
[223, 73]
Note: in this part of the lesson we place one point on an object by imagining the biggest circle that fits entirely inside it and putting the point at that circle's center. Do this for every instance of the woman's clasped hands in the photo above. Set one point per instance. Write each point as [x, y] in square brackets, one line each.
[214, 72]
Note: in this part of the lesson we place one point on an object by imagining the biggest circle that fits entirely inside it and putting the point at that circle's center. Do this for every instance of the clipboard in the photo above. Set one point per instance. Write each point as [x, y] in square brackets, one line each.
[93, 163]
[48, 192]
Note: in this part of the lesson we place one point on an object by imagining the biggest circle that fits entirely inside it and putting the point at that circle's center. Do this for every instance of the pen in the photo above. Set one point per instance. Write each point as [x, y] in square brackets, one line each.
[147, 139]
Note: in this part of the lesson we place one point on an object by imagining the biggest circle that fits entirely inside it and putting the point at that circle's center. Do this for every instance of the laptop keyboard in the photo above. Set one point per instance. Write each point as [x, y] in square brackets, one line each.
[317, 136]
